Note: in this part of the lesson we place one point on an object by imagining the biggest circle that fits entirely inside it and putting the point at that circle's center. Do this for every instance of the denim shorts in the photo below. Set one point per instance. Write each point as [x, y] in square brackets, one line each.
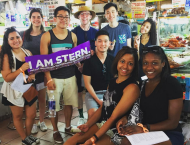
[90, 102]
[175, 137]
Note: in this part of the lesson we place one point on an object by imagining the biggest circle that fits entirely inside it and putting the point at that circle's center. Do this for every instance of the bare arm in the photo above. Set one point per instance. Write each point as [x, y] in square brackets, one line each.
[129, 42]
[87, 82]
[74, 37]
[174, 112]
[44, 43]
[7, 73]
[130, 95]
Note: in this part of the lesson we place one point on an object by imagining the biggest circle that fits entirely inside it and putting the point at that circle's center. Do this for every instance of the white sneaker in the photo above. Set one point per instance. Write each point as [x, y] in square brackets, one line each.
[81, 121]
[34, 129]
[42, 126]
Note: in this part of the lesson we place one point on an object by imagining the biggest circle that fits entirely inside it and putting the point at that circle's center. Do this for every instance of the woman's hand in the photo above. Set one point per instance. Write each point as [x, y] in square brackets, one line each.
[123, 121]
[100, 102]
[84, 127]
[129, 130]
[31, 77]
[137, 41]
[25, 66]
[80, 68]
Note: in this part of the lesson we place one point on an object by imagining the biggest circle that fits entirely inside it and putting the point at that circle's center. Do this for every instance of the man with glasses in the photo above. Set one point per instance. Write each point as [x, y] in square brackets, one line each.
[84, 33]
[97, 72]
[63, 80]
[120, 34]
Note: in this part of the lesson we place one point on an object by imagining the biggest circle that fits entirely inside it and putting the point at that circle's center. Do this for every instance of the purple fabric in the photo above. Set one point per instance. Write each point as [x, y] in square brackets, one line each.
[63, 58]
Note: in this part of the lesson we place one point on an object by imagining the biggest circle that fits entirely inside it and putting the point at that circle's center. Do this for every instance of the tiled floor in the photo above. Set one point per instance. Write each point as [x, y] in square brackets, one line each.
[11, 137]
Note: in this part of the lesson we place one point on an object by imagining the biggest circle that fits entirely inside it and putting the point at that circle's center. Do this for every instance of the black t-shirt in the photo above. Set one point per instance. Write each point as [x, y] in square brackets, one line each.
[113, 96]
[155, 106]
[93, 67]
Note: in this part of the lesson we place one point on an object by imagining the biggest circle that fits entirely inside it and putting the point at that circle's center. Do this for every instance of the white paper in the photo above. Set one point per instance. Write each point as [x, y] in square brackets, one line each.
[18, 84]
[148, 138]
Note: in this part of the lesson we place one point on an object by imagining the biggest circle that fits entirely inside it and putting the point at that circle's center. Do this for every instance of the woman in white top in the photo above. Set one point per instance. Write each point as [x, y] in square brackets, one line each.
[12, 58]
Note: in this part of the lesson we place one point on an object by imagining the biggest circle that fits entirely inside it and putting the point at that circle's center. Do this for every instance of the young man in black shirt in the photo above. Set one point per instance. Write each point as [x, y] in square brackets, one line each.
[97, 72]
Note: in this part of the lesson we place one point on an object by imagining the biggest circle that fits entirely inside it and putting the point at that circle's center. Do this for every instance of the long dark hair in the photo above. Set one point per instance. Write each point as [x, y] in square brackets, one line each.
[152, 32]
[27, 35]
[120, 54]
[161, 54]
[6, 48]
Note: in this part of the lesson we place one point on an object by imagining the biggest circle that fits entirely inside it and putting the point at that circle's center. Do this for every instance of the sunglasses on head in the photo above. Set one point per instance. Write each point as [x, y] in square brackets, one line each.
[12, 27]
[154, 49]
[38, 9]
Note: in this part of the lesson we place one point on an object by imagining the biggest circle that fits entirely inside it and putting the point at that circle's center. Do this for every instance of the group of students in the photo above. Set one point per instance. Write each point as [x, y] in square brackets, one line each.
[110, 77]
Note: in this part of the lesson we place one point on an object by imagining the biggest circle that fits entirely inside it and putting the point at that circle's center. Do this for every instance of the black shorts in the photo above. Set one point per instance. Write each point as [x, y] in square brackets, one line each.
[7, 103]
[39, 78]
[78, 75]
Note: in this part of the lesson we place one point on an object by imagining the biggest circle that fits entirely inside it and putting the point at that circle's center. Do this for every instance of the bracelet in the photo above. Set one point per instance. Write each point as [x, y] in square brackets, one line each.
[23, 73]
[96, 137]
[92, 140]
[144, 128]
[148, 126]
[49, 81]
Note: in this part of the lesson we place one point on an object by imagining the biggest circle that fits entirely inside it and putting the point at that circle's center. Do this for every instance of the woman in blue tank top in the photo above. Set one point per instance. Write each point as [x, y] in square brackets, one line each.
[148, 37]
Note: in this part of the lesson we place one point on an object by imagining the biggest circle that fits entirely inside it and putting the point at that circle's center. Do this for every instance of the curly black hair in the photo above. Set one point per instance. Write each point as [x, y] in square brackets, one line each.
[152, 32]
[6, 48]
[27, 35]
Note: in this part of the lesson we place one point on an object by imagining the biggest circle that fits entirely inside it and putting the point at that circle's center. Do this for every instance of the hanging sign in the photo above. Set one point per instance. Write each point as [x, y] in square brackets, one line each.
[138, 9]
[178, 3]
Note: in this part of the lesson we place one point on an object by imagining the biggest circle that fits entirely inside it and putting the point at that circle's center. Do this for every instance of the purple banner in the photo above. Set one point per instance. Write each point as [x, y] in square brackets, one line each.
[63, 58]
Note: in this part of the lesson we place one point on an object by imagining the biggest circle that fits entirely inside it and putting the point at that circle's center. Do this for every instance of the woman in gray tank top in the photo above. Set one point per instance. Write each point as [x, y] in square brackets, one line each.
[31, 41]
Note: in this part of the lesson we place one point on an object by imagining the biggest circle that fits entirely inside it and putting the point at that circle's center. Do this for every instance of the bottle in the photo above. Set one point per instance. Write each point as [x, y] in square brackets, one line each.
[8, 18]
[13, 19]
[183, 85]
[52, 111]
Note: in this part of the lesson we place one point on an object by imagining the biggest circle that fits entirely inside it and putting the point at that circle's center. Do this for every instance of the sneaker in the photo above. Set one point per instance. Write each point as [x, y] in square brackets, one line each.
[34, 139]
[28, 141]
[57, 137]
[42, 126]
[69, 131]
[81, 121]
[34, 129]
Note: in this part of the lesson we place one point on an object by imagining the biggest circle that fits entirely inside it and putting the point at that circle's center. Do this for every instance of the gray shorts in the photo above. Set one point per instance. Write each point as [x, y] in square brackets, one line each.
[90, 102]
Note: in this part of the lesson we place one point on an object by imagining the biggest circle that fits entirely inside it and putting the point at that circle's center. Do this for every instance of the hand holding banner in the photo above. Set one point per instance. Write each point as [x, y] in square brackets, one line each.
[63, 58]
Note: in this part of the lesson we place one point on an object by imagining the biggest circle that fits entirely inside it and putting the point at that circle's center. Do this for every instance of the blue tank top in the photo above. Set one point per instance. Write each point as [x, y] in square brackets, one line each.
[57, 45]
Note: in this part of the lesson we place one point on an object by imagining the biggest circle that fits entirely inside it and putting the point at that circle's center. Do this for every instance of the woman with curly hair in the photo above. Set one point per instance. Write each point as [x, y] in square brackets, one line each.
[148, 37]
[12, 63]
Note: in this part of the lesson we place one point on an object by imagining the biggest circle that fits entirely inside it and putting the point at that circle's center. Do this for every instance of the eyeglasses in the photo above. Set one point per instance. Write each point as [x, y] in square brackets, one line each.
[104, 69]
[82, 14]
[61, 18]
[154, 49]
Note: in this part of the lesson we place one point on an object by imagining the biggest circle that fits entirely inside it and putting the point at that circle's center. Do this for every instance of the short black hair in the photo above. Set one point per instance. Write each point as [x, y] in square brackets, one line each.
[101, 32]
[108, 5]
[120, 54]
[161, 54]
[124, 21]
[61, 8]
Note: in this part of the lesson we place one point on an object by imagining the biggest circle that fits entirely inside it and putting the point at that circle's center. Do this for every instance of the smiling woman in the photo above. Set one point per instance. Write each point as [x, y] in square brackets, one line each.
[31, 41]
[161, 99]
